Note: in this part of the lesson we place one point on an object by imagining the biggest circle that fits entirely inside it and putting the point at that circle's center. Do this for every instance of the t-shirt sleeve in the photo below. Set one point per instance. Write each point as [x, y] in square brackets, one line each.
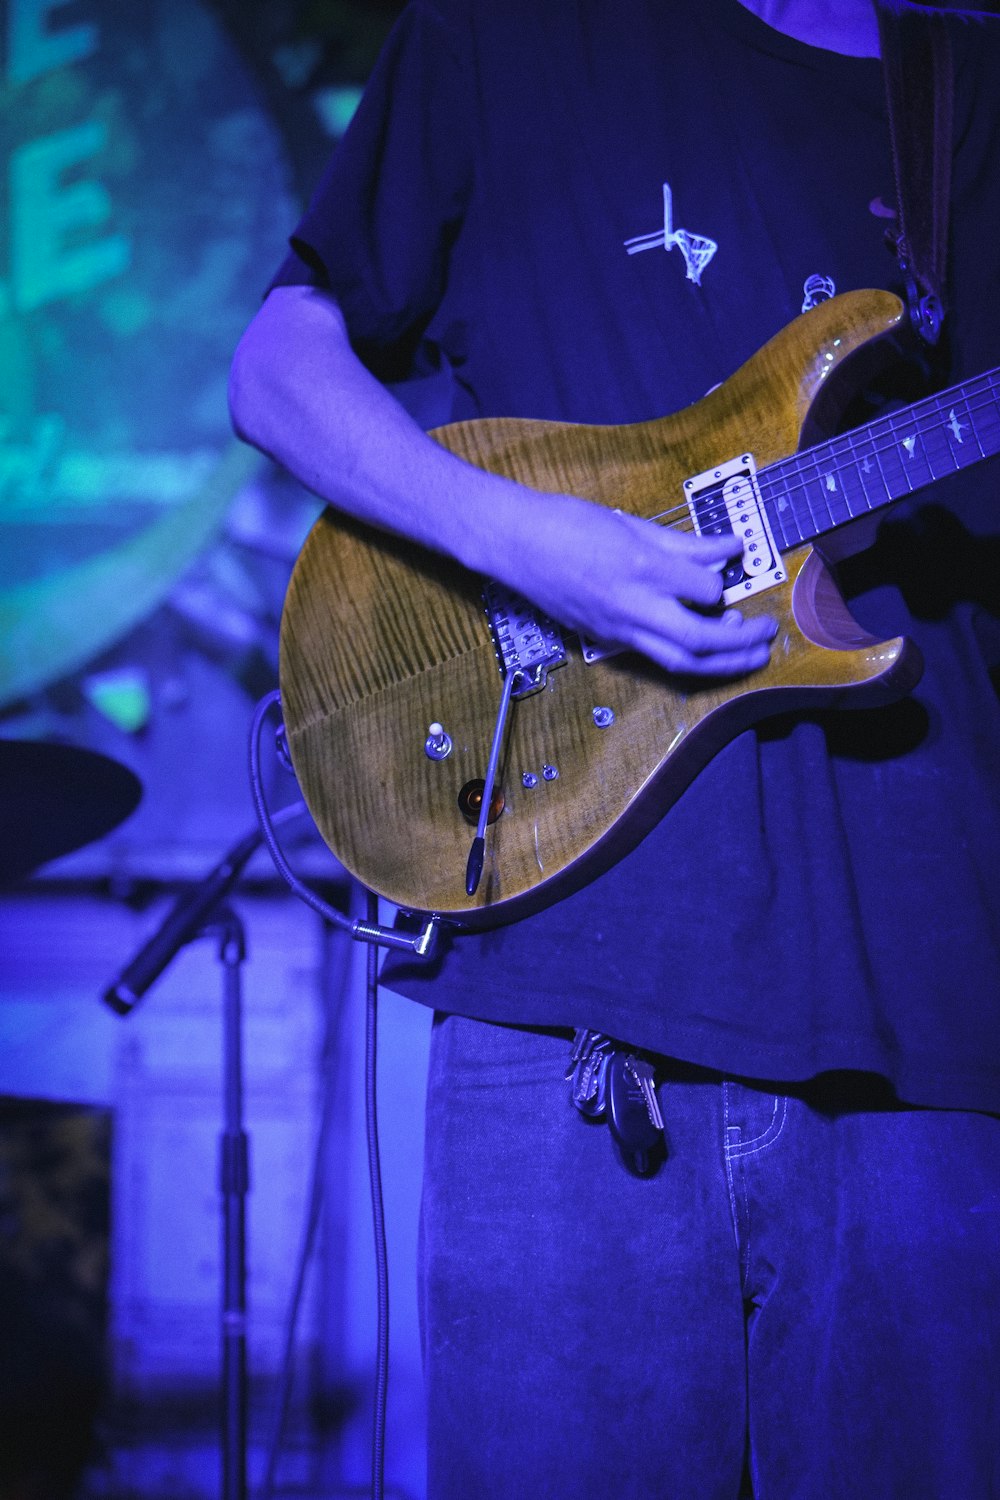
[380, 225]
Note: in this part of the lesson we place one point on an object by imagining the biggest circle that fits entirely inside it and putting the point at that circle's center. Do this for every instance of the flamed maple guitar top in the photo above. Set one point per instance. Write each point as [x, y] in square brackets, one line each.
[380, 639]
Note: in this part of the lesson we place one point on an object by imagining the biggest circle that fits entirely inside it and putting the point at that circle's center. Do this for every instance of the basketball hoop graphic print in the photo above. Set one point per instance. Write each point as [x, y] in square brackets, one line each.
[697, 249]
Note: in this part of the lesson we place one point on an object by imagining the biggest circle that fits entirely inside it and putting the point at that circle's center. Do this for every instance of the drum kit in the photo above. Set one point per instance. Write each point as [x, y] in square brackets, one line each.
[55, 798]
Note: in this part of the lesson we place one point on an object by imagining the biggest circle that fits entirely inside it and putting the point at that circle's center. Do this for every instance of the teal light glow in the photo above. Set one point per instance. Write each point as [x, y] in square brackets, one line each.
[147, 201]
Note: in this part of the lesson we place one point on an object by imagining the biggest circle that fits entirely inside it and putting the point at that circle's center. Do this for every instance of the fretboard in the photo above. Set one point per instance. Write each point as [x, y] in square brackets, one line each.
[852, 475]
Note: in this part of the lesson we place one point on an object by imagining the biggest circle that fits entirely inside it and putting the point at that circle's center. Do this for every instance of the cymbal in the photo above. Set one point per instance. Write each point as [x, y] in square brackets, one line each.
[56, 798]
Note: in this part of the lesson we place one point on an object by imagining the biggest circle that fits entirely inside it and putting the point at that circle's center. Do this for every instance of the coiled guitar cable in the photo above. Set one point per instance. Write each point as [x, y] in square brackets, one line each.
[369, 931]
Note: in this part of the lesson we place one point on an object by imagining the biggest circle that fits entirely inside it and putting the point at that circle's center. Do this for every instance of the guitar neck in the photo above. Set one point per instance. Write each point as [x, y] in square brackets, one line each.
[852, 475]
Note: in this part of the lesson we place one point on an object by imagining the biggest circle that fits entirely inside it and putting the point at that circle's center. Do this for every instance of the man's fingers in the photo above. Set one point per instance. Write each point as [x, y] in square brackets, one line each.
[684, 641]
[695, 564]
[633, 584]
[675, 658]
[721, 547]
[704, 635]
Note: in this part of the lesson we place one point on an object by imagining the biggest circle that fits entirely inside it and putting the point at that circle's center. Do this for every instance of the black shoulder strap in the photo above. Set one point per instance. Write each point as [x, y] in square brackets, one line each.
[917, 65]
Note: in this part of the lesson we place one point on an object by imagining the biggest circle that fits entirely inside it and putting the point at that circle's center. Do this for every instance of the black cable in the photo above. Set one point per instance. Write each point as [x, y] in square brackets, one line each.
[314, 1207]
[378, 1214]
[422, 943]
[375, 936]
[265, 819]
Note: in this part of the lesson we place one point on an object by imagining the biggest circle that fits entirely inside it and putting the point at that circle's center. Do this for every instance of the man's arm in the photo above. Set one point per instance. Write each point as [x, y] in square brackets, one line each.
[299, 393]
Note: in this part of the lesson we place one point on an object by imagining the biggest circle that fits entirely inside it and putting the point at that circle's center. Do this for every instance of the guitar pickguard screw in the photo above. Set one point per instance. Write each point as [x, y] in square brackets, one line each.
[603, 717]
[529, 779]
[550, 772]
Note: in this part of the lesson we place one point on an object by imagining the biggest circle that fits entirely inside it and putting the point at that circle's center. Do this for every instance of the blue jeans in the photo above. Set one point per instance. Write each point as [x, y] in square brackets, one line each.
[808, 1292]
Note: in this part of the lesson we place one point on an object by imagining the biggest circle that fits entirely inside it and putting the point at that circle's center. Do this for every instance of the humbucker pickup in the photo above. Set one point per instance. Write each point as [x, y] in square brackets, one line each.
[728, 499]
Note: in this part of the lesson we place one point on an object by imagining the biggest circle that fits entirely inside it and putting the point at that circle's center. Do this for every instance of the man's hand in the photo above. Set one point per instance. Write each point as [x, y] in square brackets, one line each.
[635, 584]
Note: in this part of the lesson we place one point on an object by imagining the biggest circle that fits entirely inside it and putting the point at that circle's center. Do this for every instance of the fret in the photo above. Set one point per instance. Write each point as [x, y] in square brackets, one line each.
[970, 420]
[892, 462]
[939, 454]
[883, 482]
[809, 494]
[791, 521]
[774, 496]
[938, 440]
[986, 403]
[971, 414]
[909, 449]
[812, 492]
[959, 432]
[776, 490]
[831, 478]
[859, 473]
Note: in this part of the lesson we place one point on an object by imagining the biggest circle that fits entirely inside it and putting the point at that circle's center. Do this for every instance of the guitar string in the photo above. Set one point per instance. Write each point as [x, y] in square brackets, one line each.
[846, 444]
[773, 477]
[853, 441]
[865, 440]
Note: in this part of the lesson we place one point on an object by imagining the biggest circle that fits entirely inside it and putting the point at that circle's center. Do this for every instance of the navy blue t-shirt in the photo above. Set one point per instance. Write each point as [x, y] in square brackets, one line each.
[593, 212]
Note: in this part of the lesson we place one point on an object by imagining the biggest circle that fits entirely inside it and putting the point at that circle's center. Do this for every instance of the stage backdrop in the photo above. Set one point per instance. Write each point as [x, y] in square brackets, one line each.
[154, 156]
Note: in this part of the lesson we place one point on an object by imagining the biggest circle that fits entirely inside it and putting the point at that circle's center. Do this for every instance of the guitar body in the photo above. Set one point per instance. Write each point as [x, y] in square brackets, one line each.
[379, 639]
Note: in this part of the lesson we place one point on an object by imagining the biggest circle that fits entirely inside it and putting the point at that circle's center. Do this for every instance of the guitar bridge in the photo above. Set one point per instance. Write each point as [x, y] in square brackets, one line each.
[728, 499]
[526, 642]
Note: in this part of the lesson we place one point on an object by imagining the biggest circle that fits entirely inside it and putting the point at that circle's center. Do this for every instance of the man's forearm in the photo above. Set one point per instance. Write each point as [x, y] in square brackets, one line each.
[299, 393]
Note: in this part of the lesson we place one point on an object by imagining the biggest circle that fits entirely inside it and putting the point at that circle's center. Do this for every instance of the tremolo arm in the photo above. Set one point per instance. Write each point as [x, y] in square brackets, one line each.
[528, 645]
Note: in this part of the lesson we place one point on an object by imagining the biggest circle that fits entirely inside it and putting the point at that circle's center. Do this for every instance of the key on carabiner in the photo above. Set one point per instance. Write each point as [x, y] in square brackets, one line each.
[642, 1145]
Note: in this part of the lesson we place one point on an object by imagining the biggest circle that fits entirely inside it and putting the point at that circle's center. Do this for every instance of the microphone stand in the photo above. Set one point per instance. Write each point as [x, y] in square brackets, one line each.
[234, 1185]
[203, 913]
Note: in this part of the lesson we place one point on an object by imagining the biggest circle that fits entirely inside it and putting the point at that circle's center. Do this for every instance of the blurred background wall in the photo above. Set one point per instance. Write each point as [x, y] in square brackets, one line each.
[153, 157]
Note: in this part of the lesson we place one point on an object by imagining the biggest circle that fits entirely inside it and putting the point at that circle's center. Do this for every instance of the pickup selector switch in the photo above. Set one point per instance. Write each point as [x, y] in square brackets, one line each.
[437, 745]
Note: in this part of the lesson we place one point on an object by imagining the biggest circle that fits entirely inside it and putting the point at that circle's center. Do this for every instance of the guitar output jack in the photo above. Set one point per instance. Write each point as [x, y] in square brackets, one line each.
[470, 801]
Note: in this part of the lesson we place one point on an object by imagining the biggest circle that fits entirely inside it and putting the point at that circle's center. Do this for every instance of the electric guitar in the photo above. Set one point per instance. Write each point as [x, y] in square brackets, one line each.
[393, 658]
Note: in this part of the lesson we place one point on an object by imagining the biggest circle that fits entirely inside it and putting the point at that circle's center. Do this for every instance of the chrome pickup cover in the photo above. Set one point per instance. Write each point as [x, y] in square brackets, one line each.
[727, 499]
